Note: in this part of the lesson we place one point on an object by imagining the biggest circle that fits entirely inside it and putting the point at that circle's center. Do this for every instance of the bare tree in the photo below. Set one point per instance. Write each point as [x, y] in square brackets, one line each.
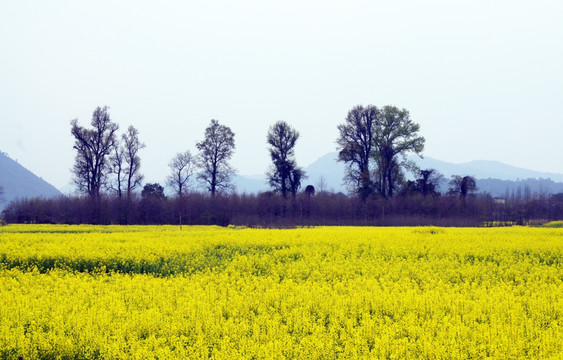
[214, 153]
[182, 167]
[355, 147]
[93, 147]
[116, 168]
[396, 135]
[131, 147]
[321, 184]
[284, 176]
[126, 163]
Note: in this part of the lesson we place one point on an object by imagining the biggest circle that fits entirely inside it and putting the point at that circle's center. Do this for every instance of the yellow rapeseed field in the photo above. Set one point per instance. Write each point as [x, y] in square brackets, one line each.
[112, 292]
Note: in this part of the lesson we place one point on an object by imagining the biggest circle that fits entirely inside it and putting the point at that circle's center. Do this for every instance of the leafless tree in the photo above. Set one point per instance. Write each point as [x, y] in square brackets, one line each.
[284, 175]
[321, 184]
[355, 146]
[131, 147]
[214, 153]
[182, 167]
[126, 163]
[93, 148]
[116, 166]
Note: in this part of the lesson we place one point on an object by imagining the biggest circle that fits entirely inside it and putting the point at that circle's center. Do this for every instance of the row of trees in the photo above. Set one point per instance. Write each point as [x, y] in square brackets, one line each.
[372, 142]
[106, 161]
[271, 209]
[99, 153]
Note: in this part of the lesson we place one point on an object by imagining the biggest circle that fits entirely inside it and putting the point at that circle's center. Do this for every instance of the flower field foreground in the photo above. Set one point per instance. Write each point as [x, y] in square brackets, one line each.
[86, 292]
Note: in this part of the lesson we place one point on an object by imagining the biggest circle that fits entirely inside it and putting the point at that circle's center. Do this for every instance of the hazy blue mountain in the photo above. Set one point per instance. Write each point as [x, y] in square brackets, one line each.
[250, 184]
[492, 176]
[519, 188]
[483, 169]
[18, 182]
[329, 170]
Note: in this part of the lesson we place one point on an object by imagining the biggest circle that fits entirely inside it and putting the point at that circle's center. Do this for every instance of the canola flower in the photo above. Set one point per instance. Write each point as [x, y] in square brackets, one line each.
[145, 292]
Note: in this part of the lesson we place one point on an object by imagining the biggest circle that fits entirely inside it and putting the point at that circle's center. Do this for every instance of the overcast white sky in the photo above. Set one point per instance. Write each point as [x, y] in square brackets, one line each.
[483, 78]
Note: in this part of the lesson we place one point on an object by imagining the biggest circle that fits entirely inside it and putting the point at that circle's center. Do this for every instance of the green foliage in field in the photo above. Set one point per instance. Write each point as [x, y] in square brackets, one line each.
[554, 224]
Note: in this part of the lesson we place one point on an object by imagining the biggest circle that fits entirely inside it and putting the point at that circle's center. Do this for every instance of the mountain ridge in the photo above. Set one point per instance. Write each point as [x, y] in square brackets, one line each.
[19, 183]
[328, 173]
[485, 169]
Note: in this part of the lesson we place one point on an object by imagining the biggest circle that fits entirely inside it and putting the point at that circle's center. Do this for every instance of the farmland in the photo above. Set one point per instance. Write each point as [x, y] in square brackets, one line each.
[119, 292]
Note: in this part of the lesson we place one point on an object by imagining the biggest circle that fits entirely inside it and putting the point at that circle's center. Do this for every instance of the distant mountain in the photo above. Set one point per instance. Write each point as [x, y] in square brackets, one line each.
[492, 177]
[482, 169]
[17, 182]
[519, 188]
[250, 184]
[327, 170]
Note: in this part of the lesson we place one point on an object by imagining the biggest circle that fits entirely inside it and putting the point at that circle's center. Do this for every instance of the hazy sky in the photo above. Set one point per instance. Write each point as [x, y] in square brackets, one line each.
[484, 79]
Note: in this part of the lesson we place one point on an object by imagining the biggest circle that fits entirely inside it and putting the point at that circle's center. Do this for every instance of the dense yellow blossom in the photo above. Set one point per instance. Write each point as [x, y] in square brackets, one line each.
[113, 292]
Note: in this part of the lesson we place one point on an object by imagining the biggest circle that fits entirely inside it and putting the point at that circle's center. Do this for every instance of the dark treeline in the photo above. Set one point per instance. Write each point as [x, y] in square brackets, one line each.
[373, 143]
[273, 210]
